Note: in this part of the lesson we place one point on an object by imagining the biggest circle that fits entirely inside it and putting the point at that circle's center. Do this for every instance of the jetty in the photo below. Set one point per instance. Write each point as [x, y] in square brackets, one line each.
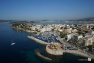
[37, 40]
[38, 53]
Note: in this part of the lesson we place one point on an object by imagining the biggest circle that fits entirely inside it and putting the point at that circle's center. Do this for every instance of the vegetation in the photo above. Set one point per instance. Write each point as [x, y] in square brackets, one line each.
[62, 35]
[16, 24]
[80, 32]
[73, 41]
[90, 47]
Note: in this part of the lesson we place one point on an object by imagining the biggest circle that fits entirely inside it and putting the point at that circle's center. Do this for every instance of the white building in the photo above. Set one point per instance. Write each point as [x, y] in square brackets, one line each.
[68, 31]
[45, 29]
[74, 30]
[69, 36]
[92, 32]
[80, 36]
[33, 28]
[89, 41]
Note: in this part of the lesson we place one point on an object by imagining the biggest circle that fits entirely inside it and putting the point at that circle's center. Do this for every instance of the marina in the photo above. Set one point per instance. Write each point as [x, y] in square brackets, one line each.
[53, 52]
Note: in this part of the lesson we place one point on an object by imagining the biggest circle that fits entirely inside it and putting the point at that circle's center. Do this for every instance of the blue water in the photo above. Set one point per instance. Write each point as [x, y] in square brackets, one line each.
[18, 53]
[23, 50]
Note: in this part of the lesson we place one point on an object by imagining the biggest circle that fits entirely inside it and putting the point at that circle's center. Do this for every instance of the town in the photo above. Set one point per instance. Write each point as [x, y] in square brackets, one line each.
[80, 36]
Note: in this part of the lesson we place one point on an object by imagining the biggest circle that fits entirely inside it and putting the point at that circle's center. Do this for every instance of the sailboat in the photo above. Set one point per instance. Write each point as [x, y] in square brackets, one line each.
[13, 43]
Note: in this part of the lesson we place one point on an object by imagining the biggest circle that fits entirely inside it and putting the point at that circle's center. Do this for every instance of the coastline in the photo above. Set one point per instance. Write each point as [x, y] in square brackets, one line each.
[78, 52]
[20, 29]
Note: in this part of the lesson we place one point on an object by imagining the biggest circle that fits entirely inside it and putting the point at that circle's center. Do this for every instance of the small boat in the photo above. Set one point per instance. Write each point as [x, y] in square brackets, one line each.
[12, 43]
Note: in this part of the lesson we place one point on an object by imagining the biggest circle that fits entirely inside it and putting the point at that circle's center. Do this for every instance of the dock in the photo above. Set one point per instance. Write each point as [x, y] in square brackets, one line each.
[37, 40]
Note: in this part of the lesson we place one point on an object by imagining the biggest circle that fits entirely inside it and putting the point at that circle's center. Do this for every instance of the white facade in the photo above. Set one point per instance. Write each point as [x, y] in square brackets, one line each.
[74, 30]
[33, 28]
[80, 36]
[92, 32]
[89, 41]
[69, 36]
[45, 29]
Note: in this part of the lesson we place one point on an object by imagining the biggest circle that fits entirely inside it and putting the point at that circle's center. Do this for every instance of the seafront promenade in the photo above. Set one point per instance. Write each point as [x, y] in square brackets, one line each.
[78, 52]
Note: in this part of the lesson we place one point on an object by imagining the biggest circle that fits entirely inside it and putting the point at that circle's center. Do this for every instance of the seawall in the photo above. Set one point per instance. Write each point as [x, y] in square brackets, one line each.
[37, 40]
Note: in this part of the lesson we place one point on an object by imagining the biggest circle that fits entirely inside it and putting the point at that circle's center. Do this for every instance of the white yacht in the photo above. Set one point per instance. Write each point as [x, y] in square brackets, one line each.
[13, 43]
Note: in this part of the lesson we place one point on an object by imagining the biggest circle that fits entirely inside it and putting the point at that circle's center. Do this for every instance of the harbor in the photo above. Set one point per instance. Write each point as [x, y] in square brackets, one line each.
[75, 52]
[60, 38]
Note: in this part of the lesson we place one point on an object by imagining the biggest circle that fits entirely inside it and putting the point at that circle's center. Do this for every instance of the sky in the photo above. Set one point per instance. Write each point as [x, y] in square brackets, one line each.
[46, 9]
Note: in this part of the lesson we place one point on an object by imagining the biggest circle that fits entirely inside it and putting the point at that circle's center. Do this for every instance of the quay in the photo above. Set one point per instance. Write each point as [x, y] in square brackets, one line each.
[37, 40]
[77, 52]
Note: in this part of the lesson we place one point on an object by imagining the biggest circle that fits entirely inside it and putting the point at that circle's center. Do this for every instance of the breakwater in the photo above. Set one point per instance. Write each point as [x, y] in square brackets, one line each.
[38, 53]
[37, 40]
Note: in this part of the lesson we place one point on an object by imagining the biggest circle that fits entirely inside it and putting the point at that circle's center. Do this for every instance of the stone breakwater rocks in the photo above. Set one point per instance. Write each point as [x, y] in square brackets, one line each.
[38, 53]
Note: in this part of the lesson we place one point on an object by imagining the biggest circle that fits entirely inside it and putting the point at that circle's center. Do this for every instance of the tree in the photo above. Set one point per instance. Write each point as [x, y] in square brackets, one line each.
[62, 35]
[90, 47]
[80, 31]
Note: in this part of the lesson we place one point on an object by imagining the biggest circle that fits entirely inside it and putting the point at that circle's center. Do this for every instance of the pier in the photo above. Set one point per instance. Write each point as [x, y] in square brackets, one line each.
[37, 40]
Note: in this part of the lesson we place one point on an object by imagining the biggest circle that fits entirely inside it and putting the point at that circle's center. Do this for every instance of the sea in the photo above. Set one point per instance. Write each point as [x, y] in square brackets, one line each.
[23, 51]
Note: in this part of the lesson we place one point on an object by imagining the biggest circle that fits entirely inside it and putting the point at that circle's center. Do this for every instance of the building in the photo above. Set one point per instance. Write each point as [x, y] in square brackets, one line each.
[68, 30]
[45, 29]
[80, 36]
[69, 36]
[89, 41]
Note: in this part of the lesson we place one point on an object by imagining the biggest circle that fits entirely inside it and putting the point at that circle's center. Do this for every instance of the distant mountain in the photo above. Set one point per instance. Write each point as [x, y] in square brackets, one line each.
[89, 19]
[84, 19]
